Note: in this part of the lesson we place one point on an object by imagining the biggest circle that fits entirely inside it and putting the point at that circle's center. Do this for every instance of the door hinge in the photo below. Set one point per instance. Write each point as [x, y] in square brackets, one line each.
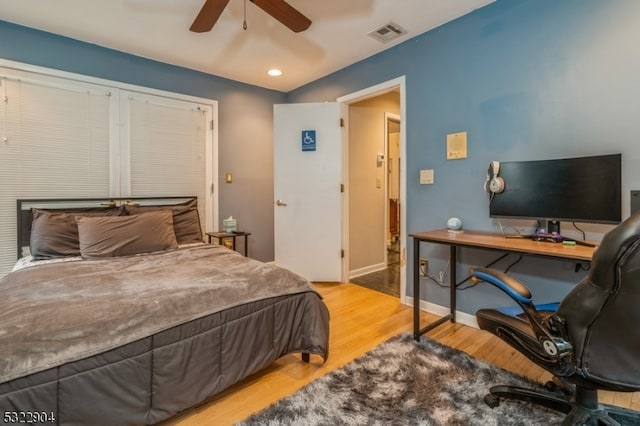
[342, 187]
[211, 125]
[342, 254]
[213, 187]
[341, 122]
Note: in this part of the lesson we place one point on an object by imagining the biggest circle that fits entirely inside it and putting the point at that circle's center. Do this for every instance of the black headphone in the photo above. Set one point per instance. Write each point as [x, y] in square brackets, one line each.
[494, 184]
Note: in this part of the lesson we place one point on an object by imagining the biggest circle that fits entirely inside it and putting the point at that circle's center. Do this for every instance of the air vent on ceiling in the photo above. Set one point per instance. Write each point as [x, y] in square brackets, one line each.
[387, 32]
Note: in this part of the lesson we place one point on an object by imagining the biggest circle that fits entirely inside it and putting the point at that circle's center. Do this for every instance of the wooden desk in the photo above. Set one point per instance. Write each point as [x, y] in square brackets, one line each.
[481, 240]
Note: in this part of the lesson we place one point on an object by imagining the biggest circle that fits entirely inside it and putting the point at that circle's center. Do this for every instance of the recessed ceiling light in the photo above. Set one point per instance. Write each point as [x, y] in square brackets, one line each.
[274, 72]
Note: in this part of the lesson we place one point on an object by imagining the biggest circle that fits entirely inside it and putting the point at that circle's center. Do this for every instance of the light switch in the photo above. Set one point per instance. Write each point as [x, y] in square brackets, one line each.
[228, 177]
[426, 177]
[378, 183]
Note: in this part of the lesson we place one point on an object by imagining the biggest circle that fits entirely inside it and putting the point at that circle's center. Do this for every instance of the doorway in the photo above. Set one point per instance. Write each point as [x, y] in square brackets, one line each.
[392, 145]
[394, 203]
[375, 215]
[351, 242]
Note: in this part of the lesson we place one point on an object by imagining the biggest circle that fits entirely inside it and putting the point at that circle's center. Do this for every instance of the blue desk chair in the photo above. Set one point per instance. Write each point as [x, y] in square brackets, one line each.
[589, 341]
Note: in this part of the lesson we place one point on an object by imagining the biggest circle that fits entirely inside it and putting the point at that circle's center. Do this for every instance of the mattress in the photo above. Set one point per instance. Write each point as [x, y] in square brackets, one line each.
[137, 339]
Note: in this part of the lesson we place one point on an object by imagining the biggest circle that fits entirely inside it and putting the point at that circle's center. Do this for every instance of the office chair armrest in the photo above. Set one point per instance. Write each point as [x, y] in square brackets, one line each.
[555, 347]
[513, 287]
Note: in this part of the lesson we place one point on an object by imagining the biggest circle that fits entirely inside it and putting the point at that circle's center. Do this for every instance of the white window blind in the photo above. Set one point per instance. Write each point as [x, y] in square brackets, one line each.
[55, 140]
[167, 141]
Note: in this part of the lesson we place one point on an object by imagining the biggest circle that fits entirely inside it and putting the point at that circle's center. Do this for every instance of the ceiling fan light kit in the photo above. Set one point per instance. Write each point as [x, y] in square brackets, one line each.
[278, 9]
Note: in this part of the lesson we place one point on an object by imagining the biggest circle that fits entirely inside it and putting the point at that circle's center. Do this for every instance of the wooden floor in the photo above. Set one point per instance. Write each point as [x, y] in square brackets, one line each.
[360, 320]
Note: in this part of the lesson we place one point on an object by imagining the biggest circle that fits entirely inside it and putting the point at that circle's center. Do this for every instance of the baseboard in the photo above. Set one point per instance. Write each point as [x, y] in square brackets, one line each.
[432, 308]
[367, 270]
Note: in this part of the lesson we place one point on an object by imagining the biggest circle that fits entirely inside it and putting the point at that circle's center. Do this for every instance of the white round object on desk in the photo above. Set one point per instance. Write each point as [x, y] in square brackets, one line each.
[454, 224]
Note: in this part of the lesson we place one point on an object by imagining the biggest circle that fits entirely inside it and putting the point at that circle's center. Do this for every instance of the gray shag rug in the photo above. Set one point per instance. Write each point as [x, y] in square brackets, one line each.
[404, 382]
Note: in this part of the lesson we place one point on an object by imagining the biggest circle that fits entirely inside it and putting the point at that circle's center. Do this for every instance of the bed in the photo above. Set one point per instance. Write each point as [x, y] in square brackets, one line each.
[118, 313]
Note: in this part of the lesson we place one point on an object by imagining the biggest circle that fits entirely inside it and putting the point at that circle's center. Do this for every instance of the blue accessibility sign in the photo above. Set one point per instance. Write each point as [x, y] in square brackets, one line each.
[308, 140]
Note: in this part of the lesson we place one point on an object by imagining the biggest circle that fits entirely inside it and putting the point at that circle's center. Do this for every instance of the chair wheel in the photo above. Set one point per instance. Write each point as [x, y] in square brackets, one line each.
[491, 400]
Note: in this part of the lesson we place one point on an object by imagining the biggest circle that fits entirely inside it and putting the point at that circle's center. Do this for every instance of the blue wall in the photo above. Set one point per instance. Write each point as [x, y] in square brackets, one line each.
[527, 79]
[244, 125]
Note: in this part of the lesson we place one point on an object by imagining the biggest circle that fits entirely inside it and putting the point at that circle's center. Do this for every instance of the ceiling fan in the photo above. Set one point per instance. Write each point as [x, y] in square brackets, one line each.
[279, 9]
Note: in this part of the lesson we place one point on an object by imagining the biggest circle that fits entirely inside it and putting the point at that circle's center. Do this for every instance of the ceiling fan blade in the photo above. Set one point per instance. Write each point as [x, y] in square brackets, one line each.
[285, 13]
[209, 14]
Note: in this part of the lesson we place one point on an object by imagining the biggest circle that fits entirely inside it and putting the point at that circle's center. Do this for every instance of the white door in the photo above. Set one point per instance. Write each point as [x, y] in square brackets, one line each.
[308, 170]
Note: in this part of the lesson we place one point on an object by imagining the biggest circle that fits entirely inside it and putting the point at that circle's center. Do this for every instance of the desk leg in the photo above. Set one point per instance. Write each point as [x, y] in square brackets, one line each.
[454, 280]
[417, 332]
[416, 289]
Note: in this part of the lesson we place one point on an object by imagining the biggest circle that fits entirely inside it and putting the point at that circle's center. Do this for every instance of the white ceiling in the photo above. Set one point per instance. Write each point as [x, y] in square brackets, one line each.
[159, 29]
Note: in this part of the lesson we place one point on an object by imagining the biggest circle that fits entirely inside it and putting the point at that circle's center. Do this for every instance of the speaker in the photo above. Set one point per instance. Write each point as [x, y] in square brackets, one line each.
[494, 184]
[635, 201]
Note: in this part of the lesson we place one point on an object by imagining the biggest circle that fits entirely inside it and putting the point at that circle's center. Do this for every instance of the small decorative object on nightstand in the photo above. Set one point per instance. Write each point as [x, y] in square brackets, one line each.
[228, 239]
[229, 225]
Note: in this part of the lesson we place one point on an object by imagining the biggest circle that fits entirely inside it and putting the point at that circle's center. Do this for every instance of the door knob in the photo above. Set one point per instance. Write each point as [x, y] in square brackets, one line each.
[280, 203]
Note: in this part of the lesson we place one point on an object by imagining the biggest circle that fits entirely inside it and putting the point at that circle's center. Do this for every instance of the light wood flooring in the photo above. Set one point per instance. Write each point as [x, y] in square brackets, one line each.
[360, 320]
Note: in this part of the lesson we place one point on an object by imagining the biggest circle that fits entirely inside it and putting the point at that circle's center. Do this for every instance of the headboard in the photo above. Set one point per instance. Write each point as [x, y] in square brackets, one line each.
[24, 210]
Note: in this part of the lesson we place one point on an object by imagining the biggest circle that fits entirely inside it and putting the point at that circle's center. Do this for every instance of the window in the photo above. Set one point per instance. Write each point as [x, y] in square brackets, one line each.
[167, 156]
[61, 137]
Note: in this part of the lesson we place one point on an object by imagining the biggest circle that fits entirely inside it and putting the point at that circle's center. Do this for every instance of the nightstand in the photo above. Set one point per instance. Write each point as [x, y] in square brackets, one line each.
[221, 237]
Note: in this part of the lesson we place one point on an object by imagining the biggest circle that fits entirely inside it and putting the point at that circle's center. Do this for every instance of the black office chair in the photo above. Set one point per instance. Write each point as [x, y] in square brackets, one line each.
[589, 341]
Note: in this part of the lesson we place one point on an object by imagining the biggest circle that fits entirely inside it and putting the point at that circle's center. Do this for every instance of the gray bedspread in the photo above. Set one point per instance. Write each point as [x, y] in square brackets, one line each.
[54, 314]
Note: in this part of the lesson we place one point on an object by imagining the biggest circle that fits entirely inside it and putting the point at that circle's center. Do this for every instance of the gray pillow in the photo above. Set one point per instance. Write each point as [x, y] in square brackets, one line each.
[126, 235]
[186, 220]
[54, 234]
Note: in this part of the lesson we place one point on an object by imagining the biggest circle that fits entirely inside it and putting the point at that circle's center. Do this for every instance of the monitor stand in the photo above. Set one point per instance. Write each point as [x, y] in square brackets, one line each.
[553, 226]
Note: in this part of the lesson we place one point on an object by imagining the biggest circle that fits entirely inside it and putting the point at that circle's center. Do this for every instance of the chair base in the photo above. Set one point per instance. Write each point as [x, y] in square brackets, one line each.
[586, 413]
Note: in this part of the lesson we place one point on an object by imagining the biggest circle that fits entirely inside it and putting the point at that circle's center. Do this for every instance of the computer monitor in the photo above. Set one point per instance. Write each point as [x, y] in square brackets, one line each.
[584, 189]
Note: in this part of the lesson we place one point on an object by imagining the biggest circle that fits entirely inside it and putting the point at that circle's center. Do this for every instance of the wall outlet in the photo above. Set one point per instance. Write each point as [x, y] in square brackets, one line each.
[424, 267]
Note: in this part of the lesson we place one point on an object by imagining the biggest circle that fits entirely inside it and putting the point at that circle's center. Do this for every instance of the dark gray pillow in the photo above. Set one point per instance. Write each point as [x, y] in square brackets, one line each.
[55, 234]
[186, 220]
[126, 235]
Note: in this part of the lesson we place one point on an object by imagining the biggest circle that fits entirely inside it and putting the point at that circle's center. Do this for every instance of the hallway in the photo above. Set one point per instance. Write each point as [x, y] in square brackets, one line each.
[387, 280]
